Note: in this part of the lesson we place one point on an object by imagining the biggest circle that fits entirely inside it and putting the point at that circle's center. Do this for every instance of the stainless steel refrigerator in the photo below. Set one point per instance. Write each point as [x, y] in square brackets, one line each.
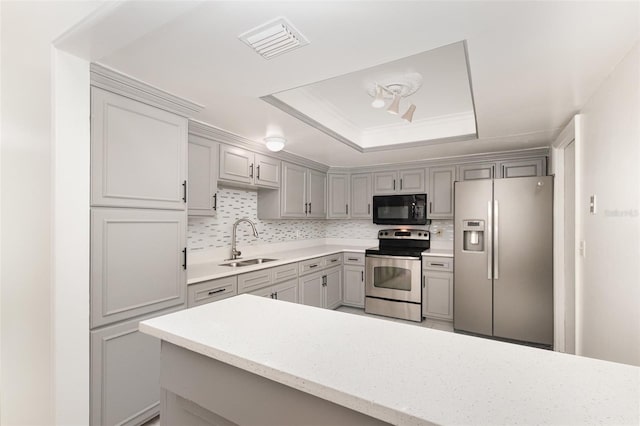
[503, 264]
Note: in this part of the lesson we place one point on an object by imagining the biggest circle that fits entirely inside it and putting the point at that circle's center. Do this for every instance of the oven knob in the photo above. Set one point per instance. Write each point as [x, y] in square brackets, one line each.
[419, 234]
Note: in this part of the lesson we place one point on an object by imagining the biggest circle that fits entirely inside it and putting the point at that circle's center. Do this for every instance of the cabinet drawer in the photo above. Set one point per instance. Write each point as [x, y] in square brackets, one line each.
[434, 263]
[210, 291]
[254, 280]
[311, 265]
[284, 272]
[354, 258]
[333, 260]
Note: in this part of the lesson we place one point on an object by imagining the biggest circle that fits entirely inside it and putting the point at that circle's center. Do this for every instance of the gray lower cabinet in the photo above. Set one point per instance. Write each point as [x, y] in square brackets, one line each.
[437, 288]
[322, 289]
[203, 177]
[125, 374]
[353, 286]
[138, 154]
[138, 261]
[523, 168]
[212, 290]
[440, 194]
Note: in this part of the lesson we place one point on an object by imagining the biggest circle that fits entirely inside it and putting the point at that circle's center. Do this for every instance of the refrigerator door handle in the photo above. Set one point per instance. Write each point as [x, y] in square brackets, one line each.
[489, 241]
[496, 245]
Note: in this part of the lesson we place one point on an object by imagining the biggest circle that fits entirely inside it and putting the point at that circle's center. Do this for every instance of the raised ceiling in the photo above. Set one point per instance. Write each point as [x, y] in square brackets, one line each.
[532, 64]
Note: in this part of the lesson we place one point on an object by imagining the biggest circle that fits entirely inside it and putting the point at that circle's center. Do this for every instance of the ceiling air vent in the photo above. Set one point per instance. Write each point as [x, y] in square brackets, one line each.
[274, 38]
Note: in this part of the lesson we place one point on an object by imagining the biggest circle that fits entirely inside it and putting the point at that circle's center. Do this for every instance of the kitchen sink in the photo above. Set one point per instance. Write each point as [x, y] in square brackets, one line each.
[247, 262]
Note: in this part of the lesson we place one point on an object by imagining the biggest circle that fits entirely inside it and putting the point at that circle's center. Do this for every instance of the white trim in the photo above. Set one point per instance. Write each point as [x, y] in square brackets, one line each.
[125, 85]
[569, 134]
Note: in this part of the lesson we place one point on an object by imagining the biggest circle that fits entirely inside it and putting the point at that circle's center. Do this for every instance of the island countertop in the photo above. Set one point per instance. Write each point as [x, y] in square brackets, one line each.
[400, 373]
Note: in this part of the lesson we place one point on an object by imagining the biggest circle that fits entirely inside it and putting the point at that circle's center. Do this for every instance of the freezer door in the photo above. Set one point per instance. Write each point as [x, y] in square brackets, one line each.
[523, 259]
[472, 284]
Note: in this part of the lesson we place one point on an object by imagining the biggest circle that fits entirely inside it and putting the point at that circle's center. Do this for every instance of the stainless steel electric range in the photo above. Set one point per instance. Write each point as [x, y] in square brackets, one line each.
[393, 280]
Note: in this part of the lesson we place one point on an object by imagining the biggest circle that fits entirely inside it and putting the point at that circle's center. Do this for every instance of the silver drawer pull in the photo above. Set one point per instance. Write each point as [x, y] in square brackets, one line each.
[313, 266]
[334, 260]
[436, 264]
[355, 259]
[220, 290]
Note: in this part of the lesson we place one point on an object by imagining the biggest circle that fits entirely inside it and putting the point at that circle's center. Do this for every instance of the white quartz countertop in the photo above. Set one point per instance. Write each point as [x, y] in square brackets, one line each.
[199, 272]
[404, 374]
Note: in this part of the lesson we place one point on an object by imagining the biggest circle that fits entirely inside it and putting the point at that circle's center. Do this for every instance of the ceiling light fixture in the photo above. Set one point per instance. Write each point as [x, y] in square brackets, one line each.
[395, 87]
[275, 143]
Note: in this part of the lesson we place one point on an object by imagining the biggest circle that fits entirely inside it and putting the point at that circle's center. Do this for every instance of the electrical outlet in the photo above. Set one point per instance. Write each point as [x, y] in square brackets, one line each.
[592, 204]
[297, 234]
[582, 248]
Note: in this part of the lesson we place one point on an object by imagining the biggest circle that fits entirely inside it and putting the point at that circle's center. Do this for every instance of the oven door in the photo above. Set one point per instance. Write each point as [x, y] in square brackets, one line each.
[394, 277]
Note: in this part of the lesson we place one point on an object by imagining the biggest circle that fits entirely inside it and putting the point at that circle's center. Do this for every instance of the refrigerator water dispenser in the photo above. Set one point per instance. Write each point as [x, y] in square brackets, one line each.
[473, 235]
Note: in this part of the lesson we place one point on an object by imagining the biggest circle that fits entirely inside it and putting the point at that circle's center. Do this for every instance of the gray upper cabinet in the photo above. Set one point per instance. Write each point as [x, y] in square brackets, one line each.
[302, 195]
[476, 171]
[338, 195]
[523, 168]
[440, 195]
[137, 262]
[245, 167]
[410, 181]
[203, 177]
[294, 191]
[236, 164]
[138, 154]
[267, 172]
[361, 197]
[316, 194]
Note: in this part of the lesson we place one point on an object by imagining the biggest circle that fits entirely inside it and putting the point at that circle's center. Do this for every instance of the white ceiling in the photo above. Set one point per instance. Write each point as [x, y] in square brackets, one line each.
[533, 64]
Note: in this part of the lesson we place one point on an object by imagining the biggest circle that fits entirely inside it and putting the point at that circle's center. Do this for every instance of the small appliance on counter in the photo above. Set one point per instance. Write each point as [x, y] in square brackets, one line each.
[393, 277]
[400, 209]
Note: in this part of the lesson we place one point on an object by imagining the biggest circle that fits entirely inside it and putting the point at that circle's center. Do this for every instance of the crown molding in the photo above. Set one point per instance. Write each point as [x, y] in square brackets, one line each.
[125, 85]
[447, 161]
[207, 131]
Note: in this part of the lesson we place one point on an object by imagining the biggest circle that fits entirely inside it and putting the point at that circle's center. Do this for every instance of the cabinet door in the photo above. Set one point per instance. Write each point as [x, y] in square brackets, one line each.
[137, 262]
[384, 182]
[338, 196]
[353, 286]
[317, 194]
[267, 171]
[311, 290]
[333, 288]
[287, 291]
[236, 164]
[293, 191]
[523, 168]
[476, 171]
[125, 375]
[437, 295]
[203, 177]
[361, 198]
[411, 181]
[441, 192]
[138, 154]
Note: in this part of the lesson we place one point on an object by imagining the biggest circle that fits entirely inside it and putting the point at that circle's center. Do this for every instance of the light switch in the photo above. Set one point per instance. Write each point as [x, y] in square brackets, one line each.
[582, 248]
[592, 204]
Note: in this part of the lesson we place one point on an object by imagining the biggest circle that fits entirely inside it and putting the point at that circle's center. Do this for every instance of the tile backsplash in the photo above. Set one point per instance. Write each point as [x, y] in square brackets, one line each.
[208, 233]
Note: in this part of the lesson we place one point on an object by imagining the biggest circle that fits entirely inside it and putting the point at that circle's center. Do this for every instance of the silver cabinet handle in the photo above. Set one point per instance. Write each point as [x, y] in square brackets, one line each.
[353, 259]
[368, 208]
[309, 208]
[215, 201]
[334, 260]
[346, 208]
[251, 170]
[423, 281]
[184, 191]
[429, 207]
[313, 266]
[258, 177]
[400, 184]
[305, 208]
[362, 276]
[394, 184]
[496, 242]
[489, 240]
[220, 290]
[436, 264]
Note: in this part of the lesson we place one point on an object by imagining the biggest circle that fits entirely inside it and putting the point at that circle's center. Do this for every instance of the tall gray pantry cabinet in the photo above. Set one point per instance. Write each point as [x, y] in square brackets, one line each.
[138, 239]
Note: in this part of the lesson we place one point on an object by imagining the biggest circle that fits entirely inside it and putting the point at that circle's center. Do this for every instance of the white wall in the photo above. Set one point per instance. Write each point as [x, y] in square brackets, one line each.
[608, 302]
[27, 382]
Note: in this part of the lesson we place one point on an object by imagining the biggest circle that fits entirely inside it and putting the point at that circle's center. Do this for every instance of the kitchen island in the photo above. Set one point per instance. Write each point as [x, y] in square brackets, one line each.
[252, 360]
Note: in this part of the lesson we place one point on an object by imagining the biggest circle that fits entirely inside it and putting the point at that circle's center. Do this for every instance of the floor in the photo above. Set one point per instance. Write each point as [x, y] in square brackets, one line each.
[427, 323]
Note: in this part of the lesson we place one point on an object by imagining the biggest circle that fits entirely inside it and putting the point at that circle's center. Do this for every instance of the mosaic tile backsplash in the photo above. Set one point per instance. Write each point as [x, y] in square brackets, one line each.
[207, 233]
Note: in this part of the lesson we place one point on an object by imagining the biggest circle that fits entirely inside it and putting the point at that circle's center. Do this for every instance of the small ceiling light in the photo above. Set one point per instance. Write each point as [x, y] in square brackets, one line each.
[395, 105]
[378, 102]
[408, 116]
[275, 143]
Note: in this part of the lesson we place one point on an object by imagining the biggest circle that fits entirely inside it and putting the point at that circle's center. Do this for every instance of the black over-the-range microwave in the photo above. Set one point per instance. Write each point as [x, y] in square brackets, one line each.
[410, 209]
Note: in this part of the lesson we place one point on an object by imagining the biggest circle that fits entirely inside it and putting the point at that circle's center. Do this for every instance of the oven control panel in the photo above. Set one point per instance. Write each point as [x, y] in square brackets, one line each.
[403, 234]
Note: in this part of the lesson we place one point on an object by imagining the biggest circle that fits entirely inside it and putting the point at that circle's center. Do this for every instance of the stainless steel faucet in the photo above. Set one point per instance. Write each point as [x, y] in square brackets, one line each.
[234, 252]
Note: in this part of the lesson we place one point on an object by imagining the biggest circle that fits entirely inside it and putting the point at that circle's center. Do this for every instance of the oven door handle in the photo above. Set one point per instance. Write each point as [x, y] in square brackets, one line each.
[378, 256]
